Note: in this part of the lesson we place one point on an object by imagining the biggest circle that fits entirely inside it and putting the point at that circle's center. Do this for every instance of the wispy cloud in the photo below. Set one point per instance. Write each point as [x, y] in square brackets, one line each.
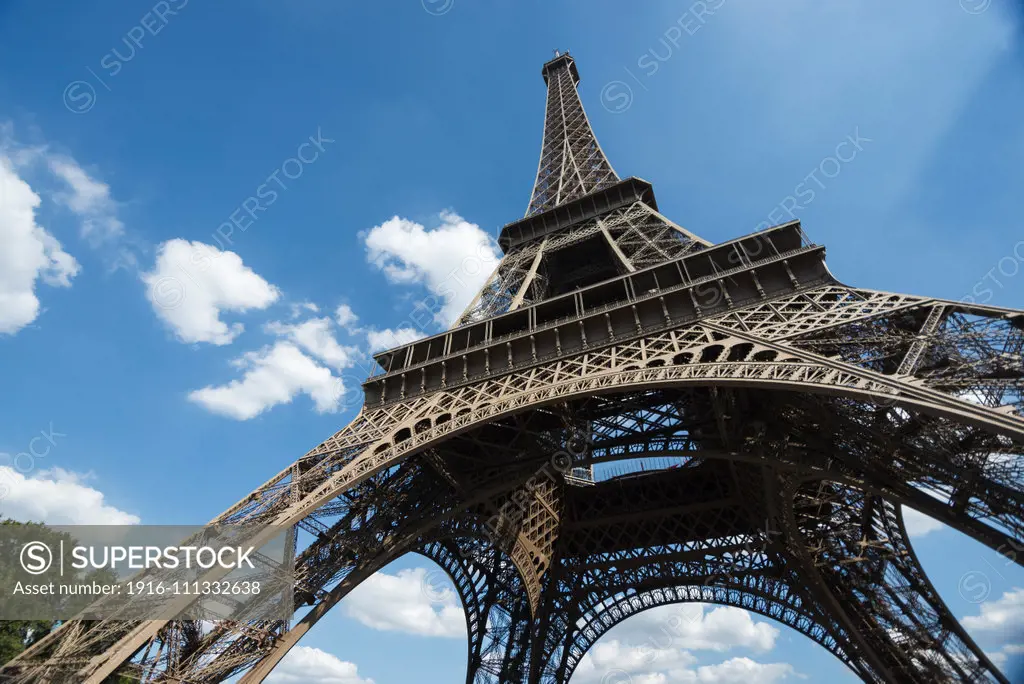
[89, 198]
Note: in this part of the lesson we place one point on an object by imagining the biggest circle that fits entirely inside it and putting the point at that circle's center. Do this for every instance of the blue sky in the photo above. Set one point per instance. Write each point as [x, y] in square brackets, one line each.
[169, 368]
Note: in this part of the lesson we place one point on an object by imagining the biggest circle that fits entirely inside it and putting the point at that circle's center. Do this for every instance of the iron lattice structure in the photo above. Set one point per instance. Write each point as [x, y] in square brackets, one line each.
[799, 416]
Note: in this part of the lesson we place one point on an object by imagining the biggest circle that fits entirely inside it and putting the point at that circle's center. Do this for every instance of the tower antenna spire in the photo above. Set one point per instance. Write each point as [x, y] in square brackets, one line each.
[572, 163]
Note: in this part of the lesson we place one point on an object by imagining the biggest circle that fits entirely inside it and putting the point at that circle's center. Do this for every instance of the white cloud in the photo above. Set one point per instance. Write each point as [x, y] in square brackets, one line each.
[452, 261]
[738, 671]
[614, 662]
[56, 497]
[608, 658]
[406, 602]
[89, 198]
[389, 338]
[192, 283]
[345, 317]
[29, 253]
[1004, 616]
[699, 627]
[1001, 656]
[999, 626]
[299, 308]
[305, 665]
[919, 524]
[654, 647]
[273, 375]
[315, 336]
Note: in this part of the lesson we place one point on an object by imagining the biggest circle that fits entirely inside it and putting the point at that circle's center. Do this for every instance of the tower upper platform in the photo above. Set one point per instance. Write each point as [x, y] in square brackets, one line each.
[561, 61]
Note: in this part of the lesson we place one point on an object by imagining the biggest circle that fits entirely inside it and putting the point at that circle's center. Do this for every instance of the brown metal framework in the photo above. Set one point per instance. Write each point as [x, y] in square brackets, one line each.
[800, 415]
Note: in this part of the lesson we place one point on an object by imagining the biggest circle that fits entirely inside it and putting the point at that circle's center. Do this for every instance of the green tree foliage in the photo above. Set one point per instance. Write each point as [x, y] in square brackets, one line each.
[17, 635]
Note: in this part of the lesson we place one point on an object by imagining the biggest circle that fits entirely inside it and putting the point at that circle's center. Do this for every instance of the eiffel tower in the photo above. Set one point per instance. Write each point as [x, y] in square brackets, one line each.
[764, 424]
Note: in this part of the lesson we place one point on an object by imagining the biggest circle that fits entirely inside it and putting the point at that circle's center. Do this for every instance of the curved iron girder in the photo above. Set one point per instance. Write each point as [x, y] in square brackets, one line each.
[905, 634]
[851, 549]
[301, 490]
[604, 371]
[491, 592]
[909, 458]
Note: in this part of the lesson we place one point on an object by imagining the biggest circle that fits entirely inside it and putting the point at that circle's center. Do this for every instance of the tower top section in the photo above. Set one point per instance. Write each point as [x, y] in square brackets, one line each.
[561, 61]
[572, 163]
